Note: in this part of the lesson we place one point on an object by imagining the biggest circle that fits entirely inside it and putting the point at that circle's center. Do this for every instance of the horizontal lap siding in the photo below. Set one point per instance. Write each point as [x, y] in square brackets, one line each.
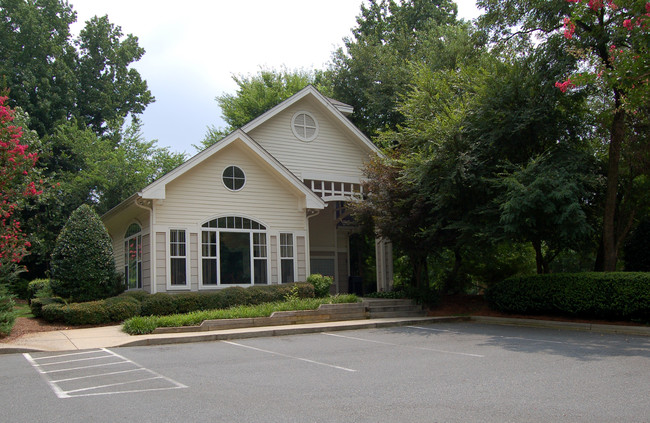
[161, 262]
[302, 258]
[199, 195]
[332, 152]
[146, 263]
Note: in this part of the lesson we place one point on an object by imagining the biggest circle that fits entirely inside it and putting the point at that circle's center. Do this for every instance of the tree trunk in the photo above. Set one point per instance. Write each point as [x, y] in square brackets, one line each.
[539, 256]
[610, 248]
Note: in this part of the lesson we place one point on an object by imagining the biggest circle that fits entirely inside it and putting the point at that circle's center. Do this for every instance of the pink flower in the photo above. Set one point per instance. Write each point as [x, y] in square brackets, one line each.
[627, 23]
[564, 86]
[569, 28]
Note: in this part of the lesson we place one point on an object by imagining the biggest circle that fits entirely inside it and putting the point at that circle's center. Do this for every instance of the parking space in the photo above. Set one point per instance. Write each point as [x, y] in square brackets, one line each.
[96, 372]
[439, 372]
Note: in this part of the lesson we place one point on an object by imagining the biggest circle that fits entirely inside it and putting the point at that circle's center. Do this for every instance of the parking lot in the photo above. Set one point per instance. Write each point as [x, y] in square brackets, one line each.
[445, 372]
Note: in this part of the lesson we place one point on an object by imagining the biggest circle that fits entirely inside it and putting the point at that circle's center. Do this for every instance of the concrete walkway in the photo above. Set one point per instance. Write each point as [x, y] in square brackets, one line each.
[112, 336]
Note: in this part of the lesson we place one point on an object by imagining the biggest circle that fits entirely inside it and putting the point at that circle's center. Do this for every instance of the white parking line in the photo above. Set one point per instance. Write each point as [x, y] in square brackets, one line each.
[404, 346]
[103, 380]
[290, 356]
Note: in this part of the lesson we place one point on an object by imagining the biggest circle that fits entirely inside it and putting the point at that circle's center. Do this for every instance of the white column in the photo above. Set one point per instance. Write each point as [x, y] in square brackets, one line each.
[384, 262]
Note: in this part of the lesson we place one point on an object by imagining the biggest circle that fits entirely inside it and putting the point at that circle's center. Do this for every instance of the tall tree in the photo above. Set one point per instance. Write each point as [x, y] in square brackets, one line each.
[54, 77]
[371, 72]
[610, 39]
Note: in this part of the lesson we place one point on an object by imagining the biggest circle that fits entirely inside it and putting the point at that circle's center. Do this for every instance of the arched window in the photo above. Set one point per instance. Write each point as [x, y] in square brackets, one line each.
[233, 252]
[133, 256]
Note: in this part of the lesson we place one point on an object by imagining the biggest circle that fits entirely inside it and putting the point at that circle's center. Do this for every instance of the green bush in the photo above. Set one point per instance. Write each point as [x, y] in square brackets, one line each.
[140, 296]
[39, 288]
[37, 304]
[53, 312]
[234, 295]
[82, 262]
[187, 301]
[321, 284]
[159, 304]
[615, 295]
[122, 308]
[7, 314]
[89, 313]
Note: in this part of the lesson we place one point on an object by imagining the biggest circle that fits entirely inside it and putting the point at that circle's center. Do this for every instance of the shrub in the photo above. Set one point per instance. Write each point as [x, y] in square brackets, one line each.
[53, 312]
[37, 304]
[186, 302]
[159, 304]
[122, 308]
[82, 261]
[7, 314]
[321, 284]
[615, 295]
[265, 294]
[233, 296]
[140, 296]
[89, 313]
[39, 288]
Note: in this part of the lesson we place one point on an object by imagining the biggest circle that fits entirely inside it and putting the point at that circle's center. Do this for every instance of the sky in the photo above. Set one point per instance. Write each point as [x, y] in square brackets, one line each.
[194, 47]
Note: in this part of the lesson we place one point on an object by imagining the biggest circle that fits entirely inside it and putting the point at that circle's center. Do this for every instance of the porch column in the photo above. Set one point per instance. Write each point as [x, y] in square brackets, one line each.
[384, 261]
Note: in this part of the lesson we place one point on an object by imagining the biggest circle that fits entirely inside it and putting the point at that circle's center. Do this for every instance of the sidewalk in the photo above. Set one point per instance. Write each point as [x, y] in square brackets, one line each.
[112, 336]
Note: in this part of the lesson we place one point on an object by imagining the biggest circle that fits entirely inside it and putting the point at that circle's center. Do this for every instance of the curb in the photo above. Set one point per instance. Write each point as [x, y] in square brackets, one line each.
[260, 332]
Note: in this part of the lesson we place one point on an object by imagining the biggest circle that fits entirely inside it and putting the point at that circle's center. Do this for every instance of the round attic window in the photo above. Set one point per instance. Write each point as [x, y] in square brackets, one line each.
[233, 178]
[304, 126]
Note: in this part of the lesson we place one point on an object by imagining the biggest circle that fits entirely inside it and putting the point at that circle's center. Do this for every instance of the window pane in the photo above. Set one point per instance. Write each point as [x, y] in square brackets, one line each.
[235, 254]
[287, 271]
[260, 271]
[178, 271]
[209, 271]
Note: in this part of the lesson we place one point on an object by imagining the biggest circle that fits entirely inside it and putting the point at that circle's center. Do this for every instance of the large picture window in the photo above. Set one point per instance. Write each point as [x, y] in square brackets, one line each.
[233, 252]
[178, 257]
[133, 257]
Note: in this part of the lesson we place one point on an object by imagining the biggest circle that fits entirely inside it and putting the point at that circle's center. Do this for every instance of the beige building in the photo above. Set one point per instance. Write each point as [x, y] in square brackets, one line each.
[265, 205]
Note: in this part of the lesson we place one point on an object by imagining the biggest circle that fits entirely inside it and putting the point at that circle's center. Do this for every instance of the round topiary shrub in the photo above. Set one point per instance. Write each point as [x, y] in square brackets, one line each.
[122, 308]
[321, 284]
[83, 267]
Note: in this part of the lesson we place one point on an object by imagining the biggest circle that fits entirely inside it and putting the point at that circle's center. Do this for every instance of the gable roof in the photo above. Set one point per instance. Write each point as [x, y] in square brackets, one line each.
[156, 190]
[334, 108]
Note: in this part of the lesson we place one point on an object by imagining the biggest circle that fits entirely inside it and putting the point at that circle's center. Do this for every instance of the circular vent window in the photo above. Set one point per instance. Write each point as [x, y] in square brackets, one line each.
[233, 178]
[304, 126]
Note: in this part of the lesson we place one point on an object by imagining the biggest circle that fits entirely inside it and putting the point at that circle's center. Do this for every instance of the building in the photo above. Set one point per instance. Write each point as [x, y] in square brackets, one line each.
[265, 205]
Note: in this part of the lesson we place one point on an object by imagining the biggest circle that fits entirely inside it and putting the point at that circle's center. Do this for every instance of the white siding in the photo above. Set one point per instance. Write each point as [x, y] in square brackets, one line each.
[302, 258]
[161, 262]
[274, 259]
[146, 263]
[200, 195]
[334, 151]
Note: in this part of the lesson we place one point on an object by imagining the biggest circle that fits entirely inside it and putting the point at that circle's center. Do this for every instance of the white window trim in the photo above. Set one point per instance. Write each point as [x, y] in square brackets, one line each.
[219, 285]
[125, 241]
[188, 282]
[294, 257]
[293, 127]
[224, 182]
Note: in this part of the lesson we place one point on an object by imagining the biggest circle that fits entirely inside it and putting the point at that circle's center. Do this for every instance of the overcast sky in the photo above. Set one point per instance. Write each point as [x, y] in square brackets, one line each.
[193, 48]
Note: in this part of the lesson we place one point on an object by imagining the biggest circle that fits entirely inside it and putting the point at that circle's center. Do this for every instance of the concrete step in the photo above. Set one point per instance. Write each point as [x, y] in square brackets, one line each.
[379, 307]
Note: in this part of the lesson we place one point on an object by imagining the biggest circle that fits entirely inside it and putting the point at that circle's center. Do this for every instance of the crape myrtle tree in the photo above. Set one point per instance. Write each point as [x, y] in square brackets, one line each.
[610, 40]
[17, 160]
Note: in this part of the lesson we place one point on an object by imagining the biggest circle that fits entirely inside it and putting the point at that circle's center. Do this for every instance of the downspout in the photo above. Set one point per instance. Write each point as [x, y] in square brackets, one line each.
[152, 249]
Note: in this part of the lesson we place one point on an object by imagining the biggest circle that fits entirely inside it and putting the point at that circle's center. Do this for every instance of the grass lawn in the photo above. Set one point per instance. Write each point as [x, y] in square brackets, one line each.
[146, 324]
[22, 309]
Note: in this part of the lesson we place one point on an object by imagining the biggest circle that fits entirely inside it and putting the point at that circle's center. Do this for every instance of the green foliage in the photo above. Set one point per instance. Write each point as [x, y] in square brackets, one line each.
[7, 314]
[39, 288]
[37, 304]
[138, 295]
[53, 312]
[53, 76]
[158, 304]
[122, 307]
[83, 267]
[321, 284]
[623, 296]
[88, 313]
[636, 248]
[147, 324]
[388, 295]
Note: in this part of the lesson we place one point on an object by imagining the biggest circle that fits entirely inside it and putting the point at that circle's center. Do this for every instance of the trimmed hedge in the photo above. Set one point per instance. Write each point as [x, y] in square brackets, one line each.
[616, 295]
[321, 284]
[138, 303]
[39, 288]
